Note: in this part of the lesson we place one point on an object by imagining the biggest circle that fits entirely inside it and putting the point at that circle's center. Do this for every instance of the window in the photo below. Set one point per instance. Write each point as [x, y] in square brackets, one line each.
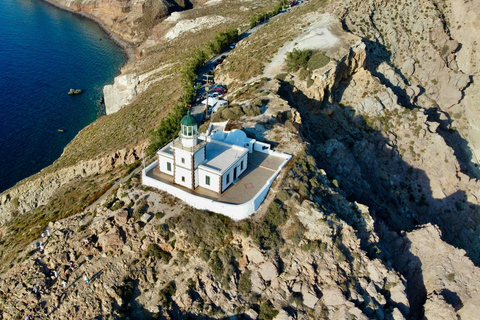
[183, 160]
[241, 165]
[207, 180]
[169, 166]
[228, 178]
[183, 179]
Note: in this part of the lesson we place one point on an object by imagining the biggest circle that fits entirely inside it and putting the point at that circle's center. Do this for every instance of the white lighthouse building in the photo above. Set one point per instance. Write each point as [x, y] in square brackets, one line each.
[213, 162]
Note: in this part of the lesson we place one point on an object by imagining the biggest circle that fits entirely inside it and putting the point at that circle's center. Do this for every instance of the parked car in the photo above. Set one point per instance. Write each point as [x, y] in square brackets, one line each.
[293, 3]
[233, 45]
[215, 95]
[220, 90]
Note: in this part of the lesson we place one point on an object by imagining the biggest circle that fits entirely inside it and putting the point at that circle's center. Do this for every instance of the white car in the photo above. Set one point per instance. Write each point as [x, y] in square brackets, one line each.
[214, 95]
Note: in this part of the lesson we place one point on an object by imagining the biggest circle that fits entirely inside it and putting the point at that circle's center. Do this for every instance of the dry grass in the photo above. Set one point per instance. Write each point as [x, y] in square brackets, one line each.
[249, 59]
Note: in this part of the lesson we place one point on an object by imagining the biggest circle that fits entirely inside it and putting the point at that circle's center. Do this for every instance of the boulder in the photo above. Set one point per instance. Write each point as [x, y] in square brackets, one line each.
[268, 271]
[254, 255]
[111, 240]
[333, 296]
[75, 91]
[309, 300]
[121, 217]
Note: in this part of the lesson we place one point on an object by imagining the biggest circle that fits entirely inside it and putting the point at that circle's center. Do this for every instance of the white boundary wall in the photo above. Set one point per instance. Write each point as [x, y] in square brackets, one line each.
[234, 211]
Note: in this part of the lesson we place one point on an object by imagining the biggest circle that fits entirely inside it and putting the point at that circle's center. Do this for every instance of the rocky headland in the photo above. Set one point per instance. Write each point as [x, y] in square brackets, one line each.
[376, 217]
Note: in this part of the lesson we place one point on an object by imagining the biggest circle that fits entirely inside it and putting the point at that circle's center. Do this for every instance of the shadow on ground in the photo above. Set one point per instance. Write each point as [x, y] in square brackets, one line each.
[370, 171]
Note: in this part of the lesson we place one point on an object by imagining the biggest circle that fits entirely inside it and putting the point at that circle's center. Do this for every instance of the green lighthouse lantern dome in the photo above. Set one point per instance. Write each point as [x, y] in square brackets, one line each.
[189, 131]
[188, 120]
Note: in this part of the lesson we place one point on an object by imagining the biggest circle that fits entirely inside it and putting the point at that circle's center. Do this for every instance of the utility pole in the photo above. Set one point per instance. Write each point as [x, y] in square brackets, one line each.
[207, 87]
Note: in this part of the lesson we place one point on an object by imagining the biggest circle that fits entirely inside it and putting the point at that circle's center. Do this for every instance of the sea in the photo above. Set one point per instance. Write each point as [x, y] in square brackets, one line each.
[44, 52]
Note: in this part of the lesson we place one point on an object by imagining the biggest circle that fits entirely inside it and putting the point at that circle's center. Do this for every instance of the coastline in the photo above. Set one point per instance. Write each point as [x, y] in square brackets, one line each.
[128, 48]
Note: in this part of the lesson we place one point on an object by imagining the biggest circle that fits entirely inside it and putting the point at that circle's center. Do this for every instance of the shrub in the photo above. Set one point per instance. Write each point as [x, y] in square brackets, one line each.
[267, 235]
[139, 211]
[281, 76]
[252, 110]
[309, 82]
[233, 112]
[165, 295]
[126, 290]
[317, 61]
[118, 205]
[216, 264]
[304, 74]
[267, 311]
[296, 298]
[110, 203]
[245, 283]
[297, 59]
[155, 251]
[451, 276]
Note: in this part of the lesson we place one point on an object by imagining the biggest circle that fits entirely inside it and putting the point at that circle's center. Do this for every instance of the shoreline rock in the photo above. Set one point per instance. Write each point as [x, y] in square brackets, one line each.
[75, 91]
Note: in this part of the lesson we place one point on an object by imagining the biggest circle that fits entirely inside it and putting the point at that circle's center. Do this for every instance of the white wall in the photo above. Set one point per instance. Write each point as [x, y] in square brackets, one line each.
[214, 180]
[234, 211]
[199, 157]
[163, 164]
[230, 172]
[261, 147]
[182, 172]
[196, 179]
[179, 154]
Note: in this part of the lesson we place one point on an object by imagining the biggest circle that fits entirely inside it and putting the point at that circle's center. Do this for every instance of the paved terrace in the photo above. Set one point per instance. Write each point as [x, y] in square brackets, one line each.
[260, 168]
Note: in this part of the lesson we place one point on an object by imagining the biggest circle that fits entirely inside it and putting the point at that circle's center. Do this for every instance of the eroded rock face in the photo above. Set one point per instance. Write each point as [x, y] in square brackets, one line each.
[120, 93]
[31, 193]
[129, 19]
[446, 275]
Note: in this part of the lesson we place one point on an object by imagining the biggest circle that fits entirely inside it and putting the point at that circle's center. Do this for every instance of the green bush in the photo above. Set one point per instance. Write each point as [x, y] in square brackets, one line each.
[252, 110]
[155, 251]
[118, 205]
[296, 298]
[216, 265]
[317, 61]
[267, 311]
[297, 59]
[281, 76]
[110, 202]
[165, 295]
[304, 74]
[245, 283]
[267, 235]
[126, 290]
[309, 82]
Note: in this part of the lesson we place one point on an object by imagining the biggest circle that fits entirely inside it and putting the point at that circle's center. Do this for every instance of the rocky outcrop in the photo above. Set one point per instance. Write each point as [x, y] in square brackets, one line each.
[32, 193]
[120, 93]
[127, 86]
[446, 274]
[128, 19]
[330, 282]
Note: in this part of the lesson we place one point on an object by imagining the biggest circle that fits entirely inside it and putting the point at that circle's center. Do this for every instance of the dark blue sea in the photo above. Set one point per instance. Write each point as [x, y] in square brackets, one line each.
[44, 52]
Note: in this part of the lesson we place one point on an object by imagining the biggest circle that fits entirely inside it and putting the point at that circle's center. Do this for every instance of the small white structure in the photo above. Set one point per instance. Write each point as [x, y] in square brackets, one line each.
[214, 103]
[212, 162]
